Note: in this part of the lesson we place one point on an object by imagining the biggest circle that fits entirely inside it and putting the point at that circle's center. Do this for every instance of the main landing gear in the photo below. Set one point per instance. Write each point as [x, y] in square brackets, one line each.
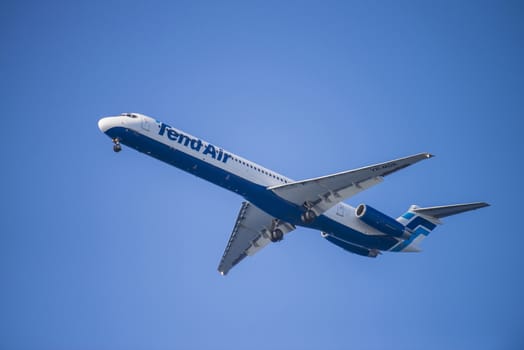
[278, 229]
[117, 147]
[308, 216]
[276, 236]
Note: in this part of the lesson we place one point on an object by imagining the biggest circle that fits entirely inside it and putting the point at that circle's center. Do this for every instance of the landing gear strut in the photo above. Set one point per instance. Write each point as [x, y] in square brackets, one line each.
[117, 147]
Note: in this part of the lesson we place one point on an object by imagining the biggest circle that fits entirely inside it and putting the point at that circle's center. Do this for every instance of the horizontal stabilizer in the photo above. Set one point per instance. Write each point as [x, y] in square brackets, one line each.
[447, 210]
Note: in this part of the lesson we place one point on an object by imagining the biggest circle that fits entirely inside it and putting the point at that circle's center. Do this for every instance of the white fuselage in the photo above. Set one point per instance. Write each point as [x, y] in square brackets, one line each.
[232, 172]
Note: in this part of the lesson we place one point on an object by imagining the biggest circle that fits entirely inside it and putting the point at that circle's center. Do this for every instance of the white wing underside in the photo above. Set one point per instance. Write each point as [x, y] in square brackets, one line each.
[322, 193]
[250, 234]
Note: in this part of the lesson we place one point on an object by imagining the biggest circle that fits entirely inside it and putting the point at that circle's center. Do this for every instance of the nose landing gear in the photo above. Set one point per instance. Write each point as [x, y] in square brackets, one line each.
[117, 147]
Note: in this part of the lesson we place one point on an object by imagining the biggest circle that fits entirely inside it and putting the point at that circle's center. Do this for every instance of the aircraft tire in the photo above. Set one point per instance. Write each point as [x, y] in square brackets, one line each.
[308, 216]
[277, 235]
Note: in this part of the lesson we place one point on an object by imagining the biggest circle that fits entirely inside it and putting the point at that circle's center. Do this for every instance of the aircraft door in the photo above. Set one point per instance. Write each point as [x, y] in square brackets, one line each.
[145, 124]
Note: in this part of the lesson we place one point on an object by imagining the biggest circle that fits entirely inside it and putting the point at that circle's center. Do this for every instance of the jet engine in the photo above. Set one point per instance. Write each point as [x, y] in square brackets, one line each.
[380, 221]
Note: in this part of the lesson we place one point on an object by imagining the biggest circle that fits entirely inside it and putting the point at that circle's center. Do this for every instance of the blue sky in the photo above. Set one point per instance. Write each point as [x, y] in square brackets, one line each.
[119, 251]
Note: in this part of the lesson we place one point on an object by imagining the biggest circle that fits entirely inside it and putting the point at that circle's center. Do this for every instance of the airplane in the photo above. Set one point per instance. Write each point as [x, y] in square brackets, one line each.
[275, 205]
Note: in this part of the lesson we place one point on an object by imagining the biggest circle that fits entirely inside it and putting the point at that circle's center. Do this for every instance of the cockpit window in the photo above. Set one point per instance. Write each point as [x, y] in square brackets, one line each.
[130, 115]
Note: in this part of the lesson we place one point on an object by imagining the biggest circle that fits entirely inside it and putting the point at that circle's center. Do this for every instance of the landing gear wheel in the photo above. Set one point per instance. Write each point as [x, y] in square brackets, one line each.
[308, 216]
[277, 235]
[117, 147]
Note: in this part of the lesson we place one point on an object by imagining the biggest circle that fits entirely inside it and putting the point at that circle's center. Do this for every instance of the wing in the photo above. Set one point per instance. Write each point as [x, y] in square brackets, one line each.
[321, 193]
[251, 233]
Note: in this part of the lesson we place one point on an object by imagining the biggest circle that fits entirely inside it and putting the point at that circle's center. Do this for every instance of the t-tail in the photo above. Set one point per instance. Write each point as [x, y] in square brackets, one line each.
[419, 222]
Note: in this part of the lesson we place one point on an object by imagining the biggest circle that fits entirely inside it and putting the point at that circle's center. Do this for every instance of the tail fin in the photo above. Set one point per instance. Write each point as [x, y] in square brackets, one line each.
[421, 221]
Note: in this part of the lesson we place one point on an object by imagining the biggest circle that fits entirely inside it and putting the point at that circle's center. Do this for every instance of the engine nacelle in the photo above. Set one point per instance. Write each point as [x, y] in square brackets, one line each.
[380, 221]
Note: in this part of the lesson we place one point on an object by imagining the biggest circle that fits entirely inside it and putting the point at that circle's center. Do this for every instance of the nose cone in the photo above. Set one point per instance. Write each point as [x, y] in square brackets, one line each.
[103, 124]
[107, 123]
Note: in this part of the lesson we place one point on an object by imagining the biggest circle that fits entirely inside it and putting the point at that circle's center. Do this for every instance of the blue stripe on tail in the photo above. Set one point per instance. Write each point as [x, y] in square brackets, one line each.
[420, 228]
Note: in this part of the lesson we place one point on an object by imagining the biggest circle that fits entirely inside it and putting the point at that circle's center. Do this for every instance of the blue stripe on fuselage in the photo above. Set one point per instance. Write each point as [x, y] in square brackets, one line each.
[254, 193]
